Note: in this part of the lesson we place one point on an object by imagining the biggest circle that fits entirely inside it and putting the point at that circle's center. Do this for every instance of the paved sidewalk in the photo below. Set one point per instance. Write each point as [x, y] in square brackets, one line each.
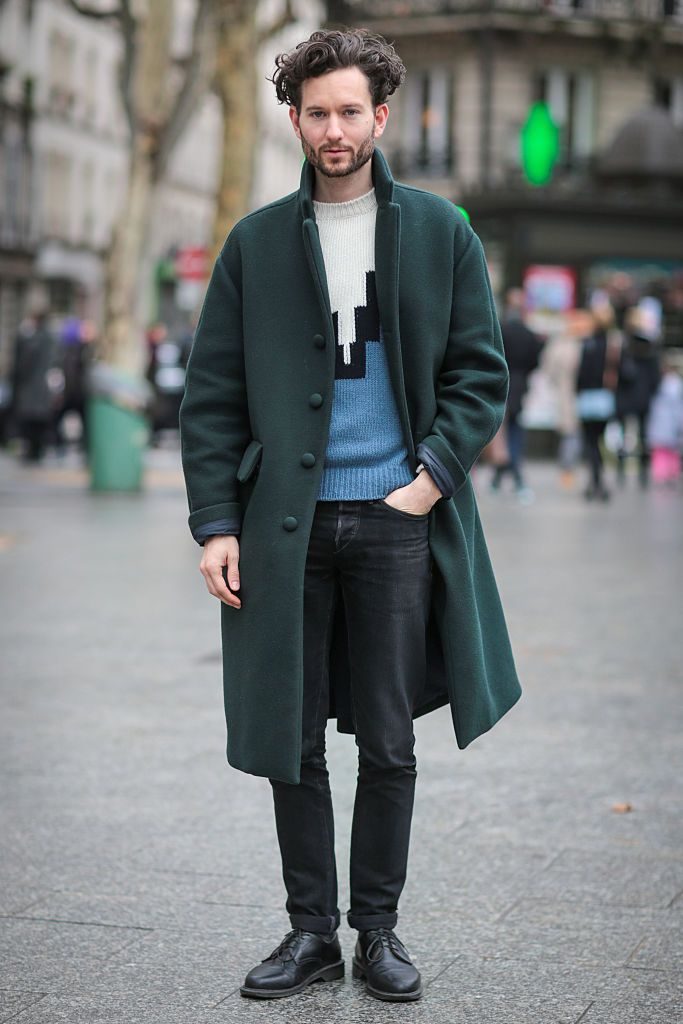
[140, 878]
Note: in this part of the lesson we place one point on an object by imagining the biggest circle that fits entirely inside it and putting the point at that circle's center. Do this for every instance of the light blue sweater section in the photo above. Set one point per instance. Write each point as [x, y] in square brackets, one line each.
[366, 456]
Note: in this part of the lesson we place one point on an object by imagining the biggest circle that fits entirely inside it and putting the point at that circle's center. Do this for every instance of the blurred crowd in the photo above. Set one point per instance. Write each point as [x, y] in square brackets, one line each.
[608, 372]
[616, 390]
[44, 402]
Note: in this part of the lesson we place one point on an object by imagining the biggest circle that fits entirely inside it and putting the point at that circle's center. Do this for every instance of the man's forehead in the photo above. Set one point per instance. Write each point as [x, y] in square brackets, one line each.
[339, 86]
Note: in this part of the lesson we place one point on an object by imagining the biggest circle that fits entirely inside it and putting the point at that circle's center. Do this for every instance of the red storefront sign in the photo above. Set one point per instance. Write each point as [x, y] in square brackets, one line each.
[191, 263]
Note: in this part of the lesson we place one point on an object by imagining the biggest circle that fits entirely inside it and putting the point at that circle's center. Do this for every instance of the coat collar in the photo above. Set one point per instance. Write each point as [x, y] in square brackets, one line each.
[381, 177]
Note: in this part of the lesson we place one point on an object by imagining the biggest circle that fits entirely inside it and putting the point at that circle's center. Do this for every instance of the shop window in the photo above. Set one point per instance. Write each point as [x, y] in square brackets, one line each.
[426, 145]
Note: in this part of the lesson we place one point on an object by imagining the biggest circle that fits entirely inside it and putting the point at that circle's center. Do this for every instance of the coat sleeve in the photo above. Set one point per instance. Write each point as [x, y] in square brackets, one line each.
[214, 416]
[473, 381]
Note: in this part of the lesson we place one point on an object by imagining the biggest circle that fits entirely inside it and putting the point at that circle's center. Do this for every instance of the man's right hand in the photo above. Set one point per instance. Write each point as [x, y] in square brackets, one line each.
[220, 551]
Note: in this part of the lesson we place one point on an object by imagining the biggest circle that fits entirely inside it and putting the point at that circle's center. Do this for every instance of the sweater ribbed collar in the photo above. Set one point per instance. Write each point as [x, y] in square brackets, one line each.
[326, 212]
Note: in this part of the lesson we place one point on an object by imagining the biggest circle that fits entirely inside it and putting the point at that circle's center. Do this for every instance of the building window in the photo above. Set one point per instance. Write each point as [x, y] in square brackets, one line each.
[57, 193]
[668, 93]
[61, 54]
[426, 145]
[90, 95]
[570, 96]
[88, 199]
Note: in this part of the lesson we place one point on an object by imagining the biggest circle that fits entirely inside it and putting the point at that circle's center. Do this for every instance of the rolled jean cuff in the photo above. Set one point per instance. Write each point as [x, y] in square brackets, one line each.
[366, 922]
[314, 923]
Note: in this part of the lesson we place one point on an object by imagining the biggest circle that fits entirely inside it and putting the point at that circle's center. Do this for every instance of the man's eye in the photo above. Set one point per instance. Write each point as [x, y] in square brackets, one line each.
[317, 114]
[351, 111]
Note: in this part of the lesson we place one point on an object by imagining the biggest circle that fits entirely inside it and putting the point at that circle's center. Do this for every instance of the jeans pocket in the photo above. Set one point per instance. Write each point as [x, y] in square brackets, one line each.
[399, 512]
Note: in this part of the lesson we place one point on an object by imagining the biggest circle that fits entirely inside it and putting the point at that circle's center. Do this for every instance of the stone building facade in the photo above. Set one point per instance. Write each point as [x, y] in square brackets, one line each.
[475, 67]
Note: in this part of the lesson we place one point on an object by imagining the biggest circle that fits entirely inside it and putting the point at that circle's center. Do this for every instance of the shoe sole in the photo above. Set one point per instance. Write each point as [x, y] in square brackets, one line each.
[388, 997]
[332, 973]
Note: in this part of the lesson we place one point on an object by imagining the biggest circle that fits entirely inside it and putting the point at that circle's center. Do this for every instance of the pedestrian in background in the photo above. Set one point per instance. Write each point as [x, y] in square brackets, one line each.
[74, 355]
[522, 352]
[665, 426]
[637, 384]
[560, 362]
[360, 588]
[596, 387]
[37, 380]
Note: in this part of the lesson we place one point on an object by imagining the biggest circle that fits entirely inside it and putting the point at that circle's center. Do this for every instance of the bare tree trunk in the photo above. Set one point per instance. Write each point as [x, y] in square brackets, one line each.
[237, 88]
[121, 343]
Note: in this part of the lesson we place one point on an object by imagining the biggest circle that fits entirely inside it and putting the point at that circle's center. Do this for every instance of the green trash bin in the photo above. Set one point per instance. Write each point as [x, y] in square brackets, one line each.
[118, 431]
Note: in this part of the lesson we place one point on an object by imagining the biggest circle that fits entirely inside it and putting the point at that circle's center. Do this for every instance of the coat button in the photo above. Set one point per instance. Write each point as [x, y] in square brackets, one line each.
[290, 523]
[315, 401]
[318, 341]
[308, 459]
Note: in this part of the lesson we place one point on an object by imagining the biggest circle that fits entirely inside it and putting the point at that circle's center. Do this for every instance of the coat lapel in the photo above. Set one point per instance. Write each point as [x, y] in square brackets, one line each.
[387, 256]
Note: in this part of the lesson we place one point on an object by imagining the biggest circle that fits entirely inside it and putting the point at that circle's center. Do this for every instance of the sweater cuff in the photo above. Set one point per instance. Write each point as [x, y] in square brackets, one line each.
[438, 472]
[219, 527]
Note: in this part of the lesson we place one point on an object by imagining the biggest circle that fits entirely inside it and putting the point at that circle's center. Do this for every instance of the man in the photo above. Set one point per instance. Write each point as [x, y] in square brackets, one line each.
[37, 379]
[522, 352]
[348, 331]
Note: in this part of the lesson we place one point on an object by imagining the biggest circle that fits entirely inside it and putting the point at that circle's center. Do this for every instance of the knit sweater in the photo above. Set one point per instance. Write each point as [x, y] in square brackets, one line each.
[366, 456]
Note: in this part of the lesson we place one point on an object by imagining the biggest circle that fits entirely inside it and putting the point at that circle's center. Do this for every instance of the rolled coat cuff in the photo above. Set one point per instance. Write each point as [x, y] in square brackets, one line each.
[219, 527]
[229, 512]
[434, 448]
[436, 469]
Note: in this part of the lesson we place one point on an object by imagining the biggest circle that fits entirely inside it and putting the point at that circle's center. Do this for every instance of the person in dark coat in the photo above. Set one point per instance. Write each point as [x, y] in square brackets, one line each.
[36, 377]
[639, 376]
[596, 386]
[76, 342]
[522, 353]
[347, 370]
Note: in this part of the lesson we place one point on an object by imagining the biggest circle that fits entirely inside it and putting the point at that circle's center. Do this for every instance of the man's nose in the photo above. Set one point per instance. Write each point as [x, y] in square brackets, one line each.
[335, 129]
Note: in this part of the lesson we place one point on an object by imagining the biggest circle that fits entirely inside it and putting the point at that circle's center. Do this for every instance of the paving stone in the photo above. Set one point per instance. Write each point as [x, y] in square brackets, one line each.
[661, 948]
[45, 953]
[13, 1001]
[626, 878]
[535, 929]
[647, 997]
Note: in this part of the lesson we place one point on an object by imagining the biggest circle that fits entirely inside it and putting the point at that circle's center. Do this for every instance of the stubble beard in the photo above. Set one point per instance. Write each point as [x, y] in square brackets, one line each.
[359, 158]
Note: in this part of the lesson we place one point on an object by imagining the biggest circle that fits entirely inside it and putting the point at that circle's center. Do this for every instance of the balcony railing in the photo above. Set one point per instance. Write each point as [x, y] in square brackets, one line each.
[599, 10]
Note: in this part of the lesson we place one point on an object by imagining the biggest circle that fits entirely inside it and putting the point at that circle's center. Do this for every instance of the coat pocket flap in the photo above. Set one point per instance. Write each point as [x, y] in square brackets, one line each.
[250, 459]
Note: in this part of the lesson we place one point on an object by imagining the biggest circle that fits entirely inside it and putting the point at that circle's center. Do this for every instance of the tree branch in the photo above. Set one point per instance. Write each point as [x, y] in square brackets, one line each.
[128, 27]
[196, 83]
[89, 12]
[285, 18]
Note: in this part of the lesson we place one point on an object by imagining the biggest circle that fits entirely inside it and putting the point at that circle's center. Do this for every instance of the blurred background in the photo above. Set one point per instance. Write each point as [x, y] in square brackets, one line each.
[134, 134]
[140, 879]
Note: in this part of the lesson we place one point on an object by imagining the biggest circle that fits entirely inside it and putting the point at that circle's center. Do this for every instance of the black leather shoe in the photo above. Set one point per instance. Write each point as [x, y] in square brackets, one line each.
[301, 958]
[382, 959]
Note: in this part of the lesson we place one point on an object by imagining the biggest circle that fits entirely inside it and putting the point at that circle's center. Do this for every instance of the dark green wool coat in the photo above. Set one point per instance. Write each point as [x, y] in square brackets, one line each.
[260, 384]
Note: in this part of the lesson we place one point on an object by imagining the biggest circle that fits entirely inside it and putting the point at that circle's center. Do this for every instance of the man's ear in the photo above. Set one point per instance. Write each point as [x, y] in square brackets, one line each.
[294, 118]
[381, 116]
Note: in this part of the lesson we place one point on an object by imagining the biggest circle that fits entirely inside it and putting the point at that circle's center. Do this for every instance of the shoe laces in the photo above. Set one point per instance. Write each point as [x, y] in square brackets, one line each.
[384, 938]
[284, 951]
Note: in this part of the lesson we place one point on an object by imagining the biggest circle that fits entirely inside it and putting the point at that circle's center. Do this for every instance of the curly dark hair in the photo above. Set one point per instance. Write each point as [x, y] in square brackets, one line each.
[329, 50]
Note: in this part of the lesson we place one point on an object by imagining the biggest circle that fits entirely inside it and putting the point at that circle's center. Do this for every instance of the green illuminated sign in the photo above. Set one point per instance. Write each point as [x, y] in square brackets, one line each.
[540, 145]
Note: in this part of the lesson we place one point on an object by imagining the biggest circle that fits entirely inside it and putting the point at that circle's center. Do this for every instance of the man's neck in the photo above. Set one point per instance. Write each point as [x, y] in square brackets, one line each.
[341, 190]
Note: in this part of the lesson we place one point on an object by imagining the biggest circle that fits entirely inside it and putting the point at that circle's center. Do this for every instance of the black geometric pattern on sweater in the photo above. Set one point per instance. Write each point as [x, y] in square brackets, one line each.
[366, 327]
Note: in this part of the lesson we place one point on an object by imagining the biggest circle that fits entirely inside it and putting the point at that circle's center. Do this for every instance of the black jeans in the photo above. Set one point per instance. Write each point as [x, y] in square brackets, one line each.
[593, 431]
[377, 559]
